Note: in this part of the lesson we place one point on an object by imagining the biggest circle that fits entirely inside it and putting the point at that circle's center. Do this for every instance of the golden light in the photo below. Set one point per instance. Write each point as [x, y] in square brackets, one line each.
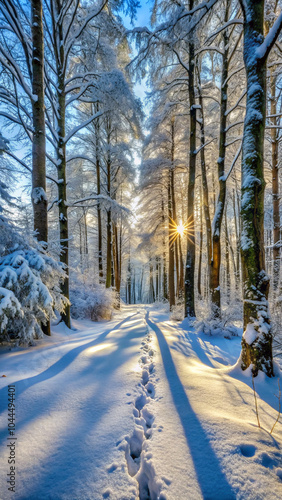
[96, 348]
[179, 230]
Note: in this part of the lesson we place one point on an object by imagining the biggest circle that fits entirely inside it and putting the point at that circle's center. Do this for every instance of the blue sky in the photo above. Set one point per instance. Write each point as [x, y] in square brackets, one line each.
[142, 19]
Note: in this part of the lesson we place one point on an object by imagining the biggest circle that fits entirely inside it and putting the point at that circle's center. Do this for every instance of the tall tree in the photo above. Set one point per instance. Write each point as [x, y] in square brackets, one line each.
[39, 197]
[257, 337]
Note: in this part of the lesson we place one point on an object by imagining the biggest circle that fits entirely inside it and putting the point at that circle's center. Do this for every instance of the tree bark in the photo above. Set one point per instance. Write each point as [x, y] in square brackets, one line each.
[109, 211]
[59, 53]
[275, 182]
[39, 196]
[257, 337]
[171, 285]
[215, 262]
[200, 249]
[98, 185]
[189, 285]
[165, 291]
[116, 253]
[205, 194]
[227, 259]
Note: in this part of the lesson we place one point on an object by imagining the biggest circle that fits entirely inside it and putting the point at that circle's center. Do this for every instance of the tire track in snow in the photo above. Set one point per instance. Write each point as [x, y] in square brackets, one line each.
[138, 457]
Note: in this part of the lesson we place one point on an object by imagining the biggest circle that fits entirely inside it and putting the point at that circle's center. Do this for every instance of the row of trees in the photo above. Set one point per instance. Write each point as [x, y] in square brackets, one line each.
[69, 108]
[197, 124]
[214, 71]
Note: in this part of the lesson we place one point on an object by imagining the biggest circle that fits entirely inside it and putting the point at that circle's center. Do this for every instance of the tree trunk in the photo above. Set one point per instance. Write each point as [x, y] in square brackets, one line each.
[157, 278]
[181, 272]
[151, 284]
[109, 211]
[116, 264]
[98, 183]
[205, 194]
[39, 197]
[165, 292]
[227, 259]
[200, 249]
[237, 231]
[58, 35]
[189, 302]
[218, 216]
[129, 280]
[257, 337]
[275, 183]
[171, 286]
[173, 203]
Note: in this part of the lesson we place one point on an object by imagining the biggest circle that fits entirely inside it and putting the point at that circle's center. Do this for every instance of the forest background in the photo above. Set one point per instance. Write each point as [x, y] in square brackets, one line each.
[177, 202]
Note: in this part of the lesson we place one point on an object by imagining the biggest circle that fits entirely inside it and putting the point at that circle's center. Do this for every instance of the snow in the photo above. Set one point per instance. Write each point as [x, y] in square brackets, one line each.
[38, 195]
[250, 334]
[140, 403]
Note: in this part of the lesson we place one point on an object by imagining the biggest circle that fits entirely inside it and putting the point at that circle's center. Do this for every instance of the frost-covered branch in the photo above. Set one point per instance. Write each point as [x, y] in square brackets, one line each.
[83, 125]
[270, 39]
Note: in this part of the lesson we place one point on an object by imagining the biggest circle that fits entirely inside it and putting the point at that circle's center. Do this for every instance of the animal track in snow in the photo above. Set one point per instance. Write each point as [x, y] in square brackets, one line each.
[140, 402]
[139, 460]
[267, 461]
[112, 468]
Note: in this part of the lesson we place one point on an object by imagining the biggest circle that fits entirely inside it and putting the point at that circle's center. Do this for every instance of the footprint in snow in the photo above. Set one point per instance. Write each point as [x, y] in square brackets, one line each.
[279, 473]
[151, 368]
[267, 461]
[150, 389]
[145, 377]
[112, 468]
[247, 450]
[140, 402]
[144, 360]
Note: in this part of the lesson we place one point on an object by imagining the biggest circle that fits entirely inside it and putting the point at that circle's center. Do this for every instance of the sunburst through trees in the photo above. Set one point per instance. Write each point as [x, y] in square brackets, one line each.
[180, 230]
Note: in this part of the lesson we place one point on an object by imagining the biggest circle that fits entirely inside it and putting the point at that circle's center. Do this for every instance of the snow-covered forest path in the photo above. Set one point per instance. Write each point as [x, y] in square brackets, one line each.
[136, 408]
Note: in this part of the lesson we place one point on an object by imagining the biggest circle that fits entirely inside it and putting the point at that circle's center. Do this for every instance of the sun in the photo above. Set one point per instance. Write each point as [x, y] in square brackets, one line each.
[179, 230]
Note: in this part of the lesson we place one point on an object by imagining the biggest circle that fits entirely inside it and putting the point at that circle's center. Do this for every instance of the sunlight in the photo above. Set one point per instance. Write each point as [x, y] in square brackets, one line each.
[180, 230]
[97, 348]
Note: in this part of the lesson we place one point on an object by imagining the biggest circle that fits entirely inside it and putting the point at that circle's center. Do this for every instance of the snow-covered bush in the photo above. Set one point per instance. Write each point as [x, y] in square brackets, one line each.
[29, 286]
[94, 302]
[228, 326]
[177, 312]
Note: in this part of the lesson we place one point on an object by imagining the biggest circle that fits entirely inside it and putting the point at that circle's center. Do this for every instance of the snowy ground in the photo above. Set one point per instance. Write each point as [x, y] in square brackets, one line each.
[138, 407]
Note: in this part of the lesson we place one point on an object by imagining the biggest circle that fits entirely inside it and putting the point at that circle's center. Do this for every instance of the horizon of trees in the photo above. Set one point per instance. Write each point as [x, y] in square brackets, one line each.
[208, 228]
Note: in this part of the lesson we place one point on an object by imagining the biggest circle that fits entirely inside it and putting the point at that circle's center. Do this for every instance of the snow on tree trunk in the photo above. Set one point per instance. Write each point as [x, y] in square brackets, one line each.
[257, 337]
[61, 163]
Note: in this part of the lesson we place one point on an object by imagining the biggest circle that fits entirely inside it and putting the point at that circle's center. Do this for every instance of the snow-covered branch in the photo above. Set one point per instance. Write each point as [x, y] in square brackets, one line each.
[270, 39]
[82, 125]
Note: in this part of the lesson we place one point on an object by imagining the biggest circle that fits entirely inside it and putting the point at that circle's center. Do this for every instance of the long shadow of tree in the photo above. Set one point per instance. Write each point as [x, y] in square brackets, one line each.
[70, 454]
[56, 368]
[211, 479]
